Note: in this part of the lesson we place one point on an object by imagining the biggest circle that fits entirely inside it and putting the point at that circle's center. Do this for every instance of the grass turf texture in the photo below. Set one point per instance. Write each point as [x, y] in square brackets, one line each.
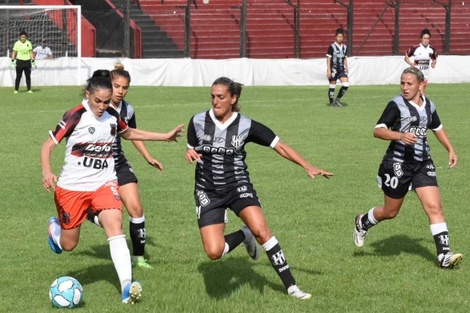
[395, 271]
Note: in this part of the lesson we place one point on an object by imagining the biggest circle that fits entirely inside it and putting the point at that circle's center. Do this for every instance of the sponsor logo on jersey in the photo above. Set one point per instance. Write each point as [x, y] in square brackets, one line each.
[418, 131]
[218, 150]
[219, 140]
[95, 150]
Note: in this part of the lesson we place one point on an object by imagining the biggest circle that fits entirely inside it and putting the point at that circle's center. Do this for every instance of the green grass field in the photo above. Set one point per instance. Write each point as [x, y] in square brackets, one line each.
[395, 271]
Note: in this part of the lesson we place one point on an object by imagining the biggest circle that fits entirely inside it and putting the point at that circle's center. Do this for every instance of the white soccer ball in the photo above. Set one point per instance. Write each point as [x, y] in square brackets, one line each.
[66, 292]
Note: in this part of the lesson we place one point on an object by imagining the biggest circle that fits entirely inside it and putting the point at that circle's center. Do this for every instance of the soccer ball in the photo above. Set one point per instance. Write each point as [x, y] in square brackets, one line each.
[66, 292]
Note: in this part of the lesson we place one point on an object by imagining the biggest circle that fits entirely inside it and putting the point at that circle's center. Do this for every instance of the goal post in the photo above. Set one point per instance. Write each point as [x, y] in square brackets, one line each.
[59, 25]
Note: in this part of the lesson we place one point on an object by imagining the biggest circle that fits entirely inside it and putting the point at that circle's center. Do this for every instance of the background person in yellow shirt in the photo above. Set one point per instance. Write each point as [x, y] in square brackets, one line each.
[22, 58]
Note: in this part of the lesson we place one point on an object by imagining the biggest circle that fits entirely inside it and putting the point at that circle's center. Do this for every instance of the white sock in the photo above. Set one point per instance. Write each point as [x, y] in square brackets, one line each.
[121, 258]
[226, 248]
[137, 220]
[438, 228]
[268, 245]
[55, 230]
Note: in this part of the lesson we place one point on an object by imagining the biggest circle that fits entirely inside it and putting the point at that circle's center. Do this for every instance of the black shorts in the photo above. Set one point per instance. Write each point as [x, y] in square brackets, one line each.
[125, 174]
[396, 179]
[23, 64]
[337, 75]
[211, 207]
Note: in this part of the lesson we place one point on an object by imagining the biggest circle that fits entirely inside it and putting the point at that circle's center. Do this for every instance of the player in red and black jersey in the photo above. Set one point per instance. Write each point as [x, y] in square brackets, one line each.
[216, 141]
[422, 56]
[407, 164]
[88, 177]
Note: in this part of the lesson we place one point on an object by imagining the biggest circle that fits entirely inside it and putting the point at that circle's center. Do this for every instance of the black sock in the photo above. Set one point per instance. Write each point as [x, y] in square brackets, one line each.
[138, 235]
[280, 265]
[234, 239]
[366, 223]
[331, 95]
[342, 91]
[442, 242]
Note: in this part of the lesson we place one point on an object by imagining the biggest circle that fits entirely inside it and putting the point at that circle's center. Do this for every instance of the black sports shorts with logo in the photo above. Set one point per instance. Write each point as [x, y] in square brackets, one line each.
[125, 174]
[396, 179]
[211, 206]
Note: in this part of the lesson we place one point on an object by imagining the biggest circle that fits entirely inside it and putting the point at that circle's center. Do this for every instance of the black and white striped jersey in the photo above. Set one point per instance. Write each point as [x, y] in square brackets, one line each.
[127, 114]
[222, 146]
[337, 53]
[407, 117]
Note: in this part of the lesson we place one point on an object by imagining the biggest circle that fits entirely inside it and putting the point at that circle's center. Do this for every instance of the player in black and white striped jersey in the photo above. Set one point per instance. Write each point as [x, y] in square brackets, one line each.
[216, 141]
[407, 164]
[337, 68]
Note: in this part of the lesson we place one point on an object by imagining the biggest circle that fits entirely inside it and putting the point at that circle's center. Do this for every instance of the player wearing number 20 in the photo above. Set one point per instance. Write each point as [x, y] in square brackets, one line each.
[408, 164]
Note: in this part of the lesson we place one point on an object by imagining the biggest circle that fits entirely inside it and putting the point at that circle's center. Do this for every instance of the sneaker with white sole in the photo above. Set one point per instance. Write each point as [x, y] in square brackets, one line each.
[449, 259]
[295, 292]
[132, 292]
[54, 247]
[250, 243]
[359, 234]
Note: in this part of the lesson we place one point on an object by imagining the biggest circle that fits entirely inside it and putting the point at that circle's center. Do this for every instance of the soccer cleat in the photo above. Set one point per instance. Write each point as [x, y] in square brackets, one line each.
[30, 91]
[295, 292]
[132, 292]
[15, 92]
[338, 102]
[449, 259]
[250, 243]
[359, 234]
[54, 247]
[140, 261]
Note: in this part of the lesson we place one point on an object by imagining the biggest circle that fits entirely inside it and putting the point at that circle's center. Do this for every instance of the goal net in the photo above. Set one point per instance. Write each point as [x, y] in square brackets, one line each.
[58, 25]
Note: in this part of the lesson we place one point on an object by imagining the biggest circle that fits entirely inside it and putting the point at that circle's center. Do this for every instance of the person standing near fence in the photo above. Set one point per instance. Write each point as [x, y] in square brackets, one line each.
[337, 68]
[22, 58]
[43, 51]
[424, 56]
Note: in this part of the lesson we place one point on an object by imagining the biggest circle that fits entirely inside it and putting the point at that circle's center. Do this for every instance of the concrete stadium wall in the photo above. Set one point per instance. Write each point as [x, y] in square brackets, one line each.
[250, 72]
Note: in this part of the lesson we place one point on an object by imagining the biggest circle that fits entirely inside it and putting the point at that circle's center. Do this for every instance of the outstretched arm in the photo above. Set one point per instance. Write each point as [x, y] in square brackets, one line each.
[139, 134]
[49, 179]
[140, 146]
[290, 154]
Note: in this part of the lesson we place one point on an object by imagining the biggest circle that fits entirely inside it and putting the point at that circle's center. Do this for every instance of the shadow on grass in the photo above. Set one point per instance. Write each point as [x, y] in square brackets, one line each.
[102, 251]
[95, 273]
[397, 245]
[224, 277]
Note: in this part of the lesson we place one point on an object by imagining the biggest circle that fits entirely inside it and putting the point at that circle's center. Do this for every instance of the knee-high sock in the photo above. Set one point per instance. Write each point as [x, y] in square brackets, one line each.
[138, 235]
[279, 261]
[121, 258]
[342, 91]
[233, 240]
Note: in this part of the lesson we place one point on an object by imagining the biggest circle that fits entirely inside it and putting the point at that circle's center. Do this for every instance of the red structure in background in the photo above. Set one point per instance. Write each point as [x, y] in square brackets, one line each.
[215, 27]
[88, 30]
